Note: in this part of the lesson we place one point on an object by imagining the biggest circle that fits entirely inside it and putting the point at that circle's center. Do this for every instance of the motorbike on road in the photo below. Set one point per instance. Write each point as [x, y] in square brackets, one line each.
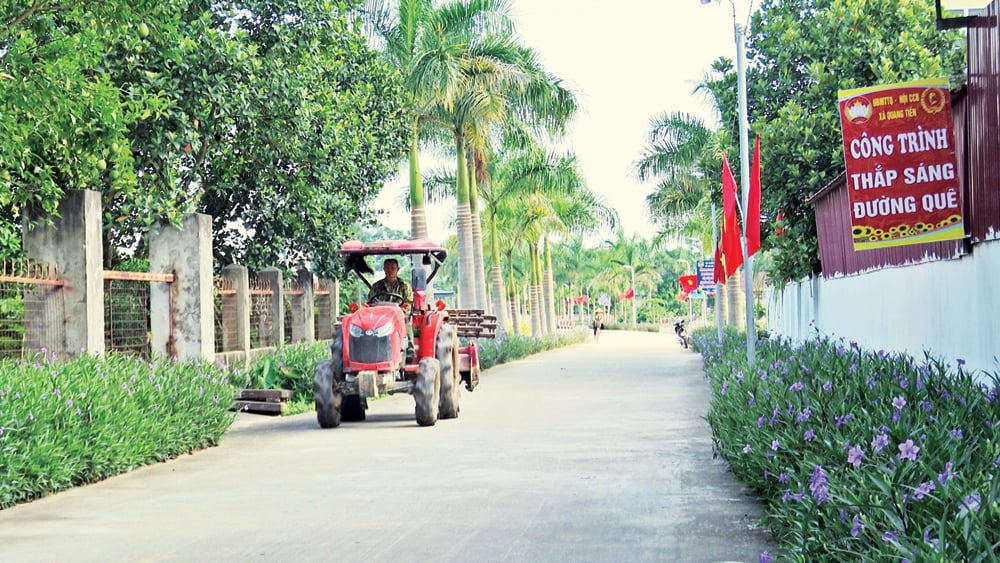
[681, 332]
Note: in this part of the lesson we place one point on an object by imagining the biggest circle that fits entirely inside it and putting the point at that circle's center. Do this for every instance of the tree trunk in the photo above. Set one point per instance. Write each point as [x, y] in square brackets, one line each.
[477, 237]
[496, 279]
[549, 288]
[418, 213]
[466, 260]
[534, 291]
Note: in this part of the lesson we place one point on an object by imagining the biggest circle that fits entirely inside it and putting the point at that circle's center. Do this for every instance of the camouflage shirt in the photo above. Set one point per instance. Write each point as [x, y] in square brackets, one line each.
[381, 288]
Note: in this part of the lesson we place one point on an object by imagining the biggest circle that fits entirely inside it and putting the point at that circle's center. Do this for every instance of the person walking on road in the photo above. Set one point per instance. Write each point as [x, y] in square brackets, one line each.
[597, 322]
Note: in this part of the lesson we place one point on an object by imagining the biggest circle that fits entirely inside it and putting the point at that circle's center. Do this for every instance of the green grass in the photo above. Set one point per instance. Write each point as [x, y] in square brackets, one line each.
[860, 455]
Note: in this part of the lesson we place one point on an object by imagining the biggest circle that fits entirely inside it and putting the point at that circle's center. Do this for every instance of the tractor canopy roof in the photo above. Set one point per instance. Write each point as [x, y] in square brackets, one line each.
[393, 246]
[355, 251]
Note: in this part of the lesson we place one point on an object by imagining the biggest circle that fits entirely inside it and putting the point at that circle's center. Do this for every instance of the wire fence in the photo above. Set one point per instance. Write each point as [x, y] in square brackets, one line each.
[29, 315]
[225, 315]
[127, 317]
[261, 318]
[33, 311]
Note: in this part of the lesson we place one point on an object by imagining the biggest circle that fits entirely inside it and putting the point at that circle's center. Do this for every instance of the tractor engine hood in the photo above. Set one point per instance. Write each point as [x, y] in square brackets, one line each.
[373, 338]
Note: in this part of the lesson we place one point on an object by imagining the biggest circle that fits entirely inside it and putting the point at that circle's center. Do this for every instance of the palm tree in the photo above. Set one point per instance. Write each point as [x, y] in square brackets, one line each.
[631, 255]
[681, 155]
[429, 45]
[518, 94]
[580, 211]
[544, 191]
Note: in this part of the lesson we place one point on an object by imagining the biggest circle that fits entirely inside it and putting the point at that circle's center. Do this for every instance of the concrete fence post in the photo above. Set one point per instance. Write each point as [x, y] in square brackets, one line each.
[277, 305]
[335, 299]
[74, 245]
[182, 312]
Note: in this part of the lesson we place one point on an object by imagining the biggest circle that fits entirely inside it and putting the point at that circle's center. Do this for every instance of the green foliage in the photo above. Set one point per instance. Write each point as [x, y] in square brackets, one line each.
[325, 128]
[59, 113]
[290, 367]
[642, 327]
[65, 423]
[801, 53]
[859, 455]
[11, 325]
[275, 118]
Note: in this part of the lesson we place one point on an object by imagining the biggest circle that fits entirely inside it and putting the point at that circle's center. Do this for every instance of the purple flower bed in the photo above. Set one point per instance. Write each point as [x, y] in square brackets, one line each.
[860, 455]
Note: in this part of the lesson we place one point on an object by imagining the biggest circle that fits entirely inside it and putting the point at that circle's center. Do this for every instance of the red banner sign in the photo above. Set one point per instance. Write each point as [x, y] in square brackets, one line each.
[902, 174]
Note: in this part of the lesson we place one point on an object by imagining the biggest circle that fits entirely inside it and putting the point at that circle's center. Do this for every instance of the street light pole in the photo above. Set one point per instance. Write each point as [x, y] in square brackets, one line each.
[741, 77]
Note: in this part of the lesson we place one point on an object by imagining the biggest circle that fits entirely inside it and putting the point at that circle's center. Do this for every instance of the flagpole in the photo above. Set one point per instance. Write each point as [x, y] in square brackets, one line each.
[718, 303]
[741, 75]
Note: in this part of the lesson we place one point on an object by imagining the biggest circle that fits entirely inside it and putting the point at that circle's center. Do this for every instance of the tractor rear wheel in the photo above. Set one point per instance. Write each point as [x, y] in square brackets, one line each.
[353, 409]
[328, 387]
[426, 391]
[446, 351]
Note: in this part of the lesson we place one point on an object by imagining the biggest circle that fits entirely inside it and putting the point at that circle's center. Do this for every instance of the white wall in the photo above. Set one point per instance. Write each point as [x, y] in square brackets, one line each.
[950, 308]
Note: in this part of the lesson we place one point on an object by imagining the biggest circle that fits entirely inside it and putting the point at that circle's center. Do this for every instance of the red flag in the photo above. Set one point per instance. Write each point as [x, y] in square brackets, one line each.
[732, 253]
[752, 219]
[630, 293]
[719, 272]
[688, 283]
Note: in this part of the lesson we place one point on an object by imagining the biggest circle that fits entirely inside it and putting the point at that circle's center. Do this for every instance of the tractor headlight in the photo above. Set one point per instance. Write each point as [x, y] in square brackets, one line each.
[381, 332]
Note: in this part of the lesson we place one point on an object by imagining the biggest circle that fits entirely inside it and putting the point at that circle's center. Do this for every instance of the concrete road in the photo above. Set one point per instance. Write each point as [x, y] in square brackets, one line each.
[595, 452]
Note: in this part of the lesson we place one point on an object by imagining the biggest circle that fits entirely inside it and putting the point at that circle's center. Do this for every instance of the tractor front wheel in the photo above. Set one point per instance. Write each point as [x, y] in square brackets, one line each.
[446, 351]
[426, 391]
[328, 386]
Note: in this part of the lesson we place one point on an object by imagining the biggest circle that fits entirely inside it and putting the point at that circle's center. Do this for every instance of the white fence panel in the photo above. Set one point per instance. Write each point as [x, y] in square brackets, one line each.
[949, 308]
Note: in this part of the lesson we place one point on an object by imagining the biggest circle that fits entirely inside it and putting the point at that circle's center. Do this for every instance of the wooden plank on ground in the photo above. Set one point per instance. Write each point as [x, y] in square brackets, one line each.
[273, 395]
[261, 407]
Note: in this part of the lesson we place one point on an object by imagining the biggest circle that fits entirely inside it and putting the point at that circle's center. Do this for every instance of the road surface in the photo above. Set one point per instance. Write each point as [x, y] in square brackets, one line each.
[594, 452]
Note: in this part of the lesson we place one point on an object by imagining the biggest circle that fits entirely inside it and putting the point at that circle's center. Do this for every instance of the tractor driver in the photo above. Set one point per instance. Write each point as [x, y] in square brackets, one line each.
[392, 284]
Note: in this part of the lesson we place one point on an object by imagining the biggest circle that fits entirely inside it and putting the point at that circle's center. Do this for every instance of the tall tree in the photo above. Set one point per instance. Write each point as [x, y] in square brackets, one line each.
[508, 87]
[559, 200]
[680, 155]
[327, 126]
[259, 114]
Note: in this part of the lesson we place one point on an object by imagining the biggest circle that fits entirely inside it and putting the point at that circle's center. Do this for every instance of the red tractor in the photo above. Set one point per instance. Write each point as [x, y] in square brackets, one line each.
[369, 353]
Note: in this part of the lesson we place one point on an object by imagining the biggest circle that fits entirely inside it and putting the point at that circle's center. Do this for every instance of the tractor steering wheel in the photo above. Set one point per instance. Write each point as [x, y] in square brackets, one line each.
[388, 295]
